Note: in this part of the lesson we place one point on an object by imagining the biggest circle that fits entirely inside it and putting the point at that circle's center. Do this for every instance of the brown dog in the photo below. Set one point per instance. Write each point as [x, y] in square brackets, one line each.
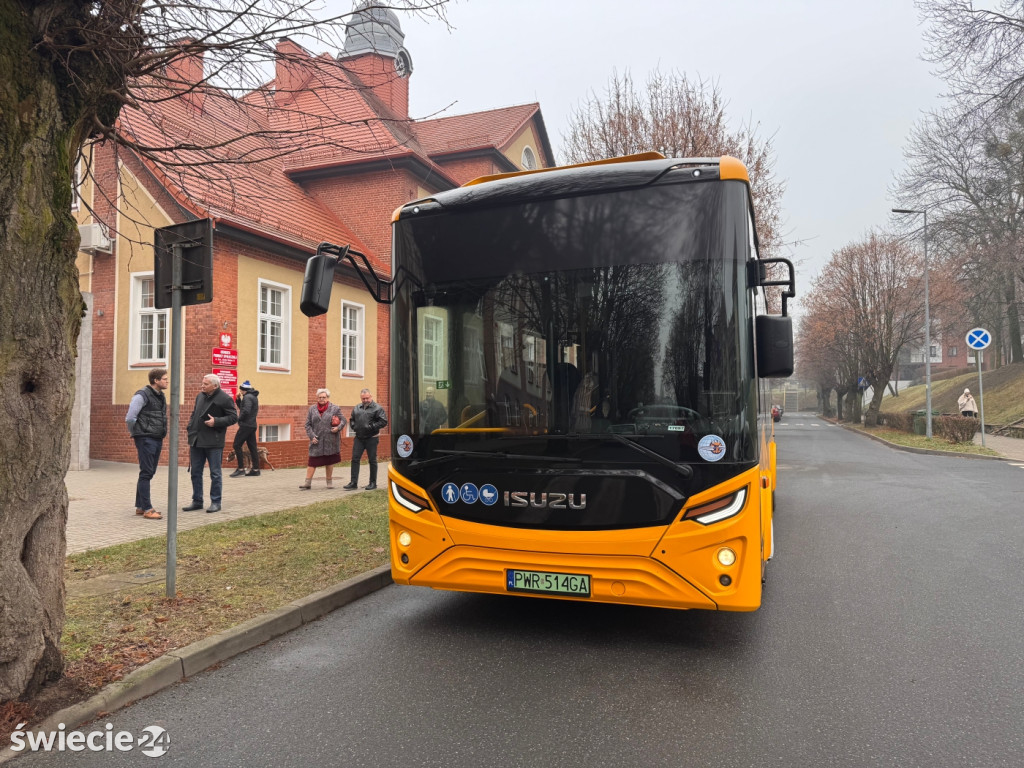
[264, 455]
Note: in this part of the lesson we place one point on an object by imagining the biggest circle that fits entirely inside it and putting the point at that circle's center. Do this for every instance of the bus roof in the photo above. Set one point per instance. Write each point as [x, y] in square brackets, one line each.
[602, 175]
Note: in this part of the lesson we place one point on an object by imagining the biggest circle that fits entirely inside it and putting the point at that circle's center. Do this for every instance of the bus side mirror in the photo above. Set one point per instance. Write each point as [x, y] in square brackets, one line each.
[317, 284]
[774, 346]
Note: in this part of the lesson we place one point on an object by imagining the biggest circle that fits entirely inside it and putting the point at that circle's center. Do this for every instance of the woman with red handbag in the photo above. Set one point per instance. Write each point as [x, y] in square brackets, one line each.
[324, 425]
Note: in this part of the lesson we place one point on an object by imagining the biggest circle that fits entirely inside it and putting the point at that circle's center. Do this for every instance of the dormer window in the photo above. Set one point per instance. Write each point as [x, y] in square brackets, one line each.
[529, 160]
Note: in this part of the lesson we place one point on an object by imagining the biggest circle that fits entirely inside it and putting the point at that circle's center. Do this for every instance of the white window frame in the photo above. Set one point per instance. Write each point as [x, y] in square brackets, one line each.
[436, 345]
[473, 355]
[76, 184]
[528, 159]
[284, 432]
[135, 357]
[360, 339]
[285, 319]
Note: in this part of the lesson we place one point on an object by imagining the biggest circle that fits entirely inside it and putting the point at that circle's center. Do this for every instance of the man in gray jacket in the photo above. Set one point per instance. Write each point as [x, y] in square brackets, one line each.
[368, 419]
[213, 413]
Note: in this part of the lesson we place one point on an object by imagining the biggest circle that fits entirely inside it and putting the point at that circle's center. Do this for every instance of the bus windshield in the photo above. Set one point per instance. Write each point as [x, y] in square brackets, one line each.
[569, 326]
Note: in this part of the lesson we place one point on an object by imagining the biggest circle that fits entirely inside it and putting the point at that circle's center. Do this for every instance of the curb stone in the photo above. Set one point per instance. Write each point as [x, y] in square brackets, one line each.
[911, 449]
[181, 663]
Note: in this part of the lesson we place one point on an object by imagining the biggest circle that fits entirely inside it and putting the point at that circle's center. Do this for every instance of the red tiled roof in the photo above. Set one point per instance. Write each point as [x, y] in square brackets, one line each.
[228, 161]
[231, 157]
[492, 128]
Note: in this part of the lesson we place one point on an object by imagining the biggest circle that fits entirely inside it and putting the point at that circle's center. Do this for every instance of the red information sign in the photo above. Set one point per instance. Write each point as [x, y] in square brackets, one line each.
[225, 340]
[228, 379]
[225, 357]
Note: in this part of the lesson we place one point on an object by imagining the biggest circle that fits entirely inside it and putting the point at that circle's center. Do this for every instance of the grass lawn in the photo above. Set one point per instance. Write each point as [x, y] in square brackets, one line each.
[226, 573]
[920, 441]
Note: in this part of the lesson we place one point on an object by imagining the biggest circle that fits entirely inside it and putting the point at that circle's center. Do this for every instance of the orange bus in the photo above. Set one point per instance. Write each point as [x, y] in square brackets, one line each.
[576, 402]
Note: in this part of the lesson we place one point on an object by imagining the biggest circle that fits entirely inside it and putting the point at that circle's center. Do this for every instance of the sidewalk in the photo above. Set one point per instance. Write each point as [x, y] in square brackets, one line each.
[1011, 448]
[101, 509]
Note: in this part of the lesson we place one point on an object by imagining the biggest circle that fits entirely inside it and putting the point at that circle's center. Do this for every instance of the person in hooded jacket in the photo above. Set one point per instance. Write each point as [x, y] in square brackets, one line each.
[967, 405]
[248, 409]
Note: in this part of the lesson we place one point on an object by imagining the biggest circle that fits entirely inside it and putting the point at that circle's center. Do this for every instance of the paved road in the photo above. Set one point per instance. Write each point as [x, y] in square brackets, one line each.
[890, 635]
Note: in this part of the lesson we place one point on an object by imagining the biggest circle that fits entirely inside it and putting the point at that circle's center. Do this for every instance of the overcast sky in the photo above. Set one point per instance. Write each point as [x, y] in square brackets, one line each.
[837, 84]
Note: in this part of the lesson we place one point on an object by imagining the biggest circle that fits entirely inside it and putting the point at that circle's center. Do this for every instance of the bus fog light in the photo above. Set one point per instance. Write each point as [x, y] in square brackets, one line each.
[405, 559]
[725, 579]
[404, 539]
[726, 556]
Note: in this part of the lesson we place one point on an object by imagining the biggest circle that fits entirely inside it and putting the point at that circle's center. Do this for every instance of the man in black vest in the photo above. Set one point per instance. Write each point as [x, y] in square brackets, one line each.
[213, 413]
[147, 424]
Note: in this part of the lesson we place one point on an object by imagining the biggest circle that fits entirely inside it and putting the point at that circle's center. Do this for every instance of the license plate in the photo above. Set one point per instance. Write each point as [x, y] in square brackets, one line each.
[575, 584]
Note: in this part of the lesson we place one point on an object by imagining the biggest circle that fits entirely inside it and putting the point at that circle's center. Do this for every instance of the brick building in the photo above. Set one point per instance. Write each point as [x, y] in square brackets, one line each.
[329, 153]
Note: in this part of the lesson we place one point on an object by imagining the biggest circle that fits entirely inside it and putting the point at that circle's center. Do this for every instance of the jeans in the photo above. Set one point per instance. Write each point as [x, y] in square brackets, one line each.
[148, 449]
[246, 436]
[369, 445]
[197, 457]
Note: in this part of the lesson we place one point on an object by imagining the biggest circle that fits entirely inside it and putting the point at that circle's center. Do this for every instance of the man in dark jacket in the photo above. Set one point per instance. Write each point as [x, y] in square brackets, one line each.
[147, 424]
[432, 414]
[248, 409]
[368, 419]
[213, 413]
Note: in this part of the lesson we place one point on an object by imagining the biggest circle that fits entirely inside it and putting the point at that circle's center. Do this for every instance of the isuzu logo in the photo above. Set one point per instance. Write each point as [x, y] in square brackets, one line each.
[545, 500]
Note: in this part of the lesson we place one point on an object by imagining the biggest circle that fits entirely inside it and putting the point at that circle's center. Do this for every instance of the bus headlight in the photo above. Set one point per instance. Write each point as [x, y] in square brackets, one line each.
[407, 499]
[718, 510]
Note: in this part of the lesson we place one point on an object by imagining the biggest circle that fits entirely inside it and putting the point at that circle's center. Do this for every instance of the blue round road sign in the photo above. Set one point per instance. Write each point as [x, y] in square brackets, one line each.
[978, 338]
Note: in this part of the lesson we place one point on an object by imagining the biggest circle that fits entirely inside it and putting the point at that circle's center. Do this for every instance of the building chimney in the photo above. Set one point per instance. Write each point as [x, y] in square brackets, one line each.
[291, 72]
[184, 73]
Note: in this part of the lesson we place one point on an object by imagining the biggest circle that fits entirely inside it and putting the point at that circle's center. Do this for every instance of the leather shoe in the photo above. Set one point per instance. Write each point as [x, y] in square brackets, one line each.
[193, 506]
[214, 508]
[350, 486]
[371, 487]
[237, 473]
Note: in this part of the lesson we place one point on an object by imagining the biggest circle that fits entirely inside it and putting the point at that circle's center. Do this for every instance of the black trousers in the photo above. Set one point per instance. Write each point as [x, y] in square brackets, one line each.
[246, 436]
[369, 445]
[148, 449]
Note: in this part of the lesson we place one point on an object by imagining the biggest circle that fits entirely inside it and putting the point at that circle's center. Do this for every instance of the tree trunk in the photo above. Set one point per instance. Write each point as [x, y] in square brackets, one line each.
[40, 314]
[875, 406]
[1013, 321]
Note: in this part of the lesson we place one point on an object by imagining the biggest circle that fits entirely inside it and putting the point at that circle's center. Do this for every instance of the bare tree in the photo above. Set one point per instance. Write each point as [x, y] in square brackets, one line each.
[980, 51]
[868, 304]
[679, 118]
[968, 171]
[104, 70]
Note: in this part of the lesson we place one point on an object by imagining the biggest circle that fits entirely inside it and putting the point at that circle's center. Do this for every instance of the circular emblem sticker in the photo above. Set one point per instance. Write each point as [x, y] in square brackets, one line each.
[404, 446]
[711, 448]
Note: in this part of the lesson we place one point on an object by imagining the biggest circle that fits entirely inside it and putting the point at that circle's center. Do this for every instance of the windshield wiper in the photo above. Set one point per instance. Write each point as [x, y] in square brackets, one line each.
[684, 470]
[451, 454]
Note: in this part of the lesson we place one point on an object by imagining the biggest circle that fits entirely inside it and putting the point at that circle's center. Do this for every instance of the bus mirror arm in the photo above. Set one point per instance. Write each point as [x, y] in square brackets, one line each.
[382, 291]
[319, 278]
[758, 277]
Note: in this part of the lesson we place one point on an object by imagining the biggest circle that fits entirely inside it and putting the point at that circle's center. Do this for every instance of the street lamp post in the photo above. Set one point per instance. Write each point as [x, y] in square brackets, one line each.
[927, 326]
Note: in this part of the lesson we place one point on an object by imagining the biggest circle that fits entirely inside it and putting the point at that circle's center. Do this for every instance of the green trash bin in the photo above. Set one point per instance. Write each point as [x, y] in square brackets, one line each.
[920, 422]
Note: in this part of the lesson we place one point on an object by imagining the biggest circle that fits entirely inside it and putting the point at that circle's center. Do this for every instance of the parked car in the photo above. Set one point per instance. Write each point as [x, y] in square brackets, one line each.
[776, 412]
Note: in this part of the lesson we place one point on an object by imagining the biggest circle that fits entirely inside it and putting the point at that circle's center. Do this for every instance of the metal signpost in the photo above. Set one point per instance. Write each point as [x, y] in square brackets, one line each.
[978, 339]
[183, 253]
